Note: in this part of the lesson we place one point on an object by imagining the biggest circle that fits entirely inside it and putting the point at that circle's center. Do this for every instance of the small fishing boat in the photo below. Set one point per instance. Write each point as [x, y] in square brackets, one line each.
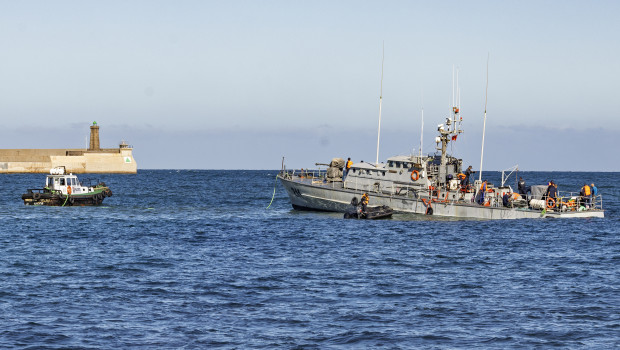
[63, 189]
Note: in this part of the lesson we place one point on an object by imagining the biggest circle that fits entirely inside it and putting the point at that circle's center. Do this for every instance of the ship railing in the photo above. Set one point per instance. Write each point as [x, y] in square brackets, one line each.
[575, 201]
[316, 176]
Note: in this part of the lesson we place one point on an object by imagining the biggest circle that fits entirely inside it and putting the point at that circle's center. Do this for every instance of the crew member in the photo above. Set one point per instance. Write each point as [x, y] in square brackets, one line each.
[468, 172]
[364, 203]
[461, 177]
[346, 169]
[586, 195]
[522, 187]
[552, 190]
[483, 191]
[594, 194]
[506, 199]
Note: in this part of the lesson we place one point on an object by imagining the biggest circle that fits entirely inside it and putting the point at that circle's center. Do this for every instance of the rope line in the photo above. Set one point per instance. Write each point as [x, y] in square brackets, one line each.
[274, 192]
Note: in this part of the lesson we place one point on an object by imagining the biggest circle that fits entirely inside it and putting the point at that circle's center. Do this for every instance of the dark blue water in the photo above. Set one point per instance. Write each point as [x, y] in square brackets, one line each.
[191, 259]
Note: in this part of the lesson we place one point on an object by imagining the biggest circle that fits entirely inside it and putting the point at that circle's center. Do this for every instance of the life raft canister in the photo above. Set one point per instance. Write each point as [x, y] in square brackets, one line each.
[415, 175]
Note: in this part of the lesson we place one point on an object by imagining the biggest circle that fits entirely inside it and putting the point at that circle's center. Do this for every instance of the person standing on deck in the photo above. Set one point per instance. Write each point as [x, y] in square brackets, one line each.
[347, 166]
[552, 191]
[586, 195]
[522, 187]
[483, 191]
[594, 194]
[468, 172]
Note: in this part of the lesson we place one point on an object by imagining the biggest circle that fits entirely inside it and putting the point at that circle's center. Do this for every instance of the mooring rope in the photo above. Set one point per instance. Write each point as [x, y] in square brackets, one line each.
[66, 199]
[274, 192]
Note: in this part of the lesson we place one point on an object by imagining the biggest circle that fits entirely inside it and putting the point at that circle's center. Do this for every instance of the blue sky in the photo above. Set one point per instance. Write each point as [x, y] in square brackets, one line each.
[240, 84]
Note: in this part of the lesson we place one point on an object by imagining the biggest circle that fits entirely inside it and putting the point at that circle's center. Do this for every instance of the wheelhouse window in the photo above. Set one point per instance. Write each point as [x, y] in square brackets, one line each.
[62, 181]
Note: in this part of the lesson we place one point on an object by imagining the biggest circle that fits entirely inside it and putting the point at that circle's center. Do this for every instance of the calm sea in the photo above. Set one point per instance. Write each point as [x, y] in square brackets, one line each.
[192, 259]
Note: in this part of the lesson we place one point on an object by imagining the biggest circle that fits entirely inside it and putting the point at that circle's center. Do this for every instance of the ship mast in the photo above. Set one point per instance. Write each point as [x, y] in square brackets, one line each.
[380, 102]
[484, 125]
[422, 128]
[450, 132]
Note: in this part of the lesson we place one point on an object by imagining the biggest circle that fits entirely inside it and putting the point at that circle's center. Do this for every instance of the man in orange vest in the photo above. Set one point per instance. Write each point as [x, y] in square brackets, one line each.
[364, 203]
[586, 195]
[483, 191]
[461, 177]
[347, 166]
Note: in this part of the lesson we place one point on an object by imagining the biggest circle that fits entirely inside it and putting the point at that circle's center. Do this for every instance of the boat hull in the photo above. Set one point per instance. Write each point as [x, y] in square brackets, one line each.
[316, 195]
[47, 198]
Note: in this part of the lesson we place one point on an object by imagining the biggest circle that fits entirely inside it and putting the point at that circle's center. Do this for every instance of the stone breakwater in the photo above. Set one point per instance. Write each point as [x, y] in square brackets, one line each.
[77, 161]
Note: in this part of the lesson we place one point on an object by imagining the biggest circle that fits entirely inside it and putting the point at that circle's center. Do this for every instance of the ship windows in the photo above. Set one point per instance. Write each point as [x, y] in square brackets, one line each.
[62, 181]
[390, 164]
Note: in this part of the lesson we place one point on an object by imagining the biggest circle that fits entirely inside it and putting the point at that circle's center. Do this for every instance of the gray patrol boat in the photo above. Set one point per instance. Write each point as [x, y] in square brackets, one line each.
[428, 185]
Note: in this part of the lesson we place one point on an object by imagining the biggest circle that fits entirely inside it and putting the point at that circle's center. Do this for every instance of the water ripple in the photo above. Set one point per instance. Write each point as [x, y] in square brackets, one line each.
[206, 266]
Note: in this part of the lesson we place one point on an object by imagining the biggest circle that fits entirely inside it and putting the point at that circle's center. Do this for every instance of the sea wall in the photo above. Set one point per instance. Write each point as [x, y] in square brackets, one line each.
[77, 161]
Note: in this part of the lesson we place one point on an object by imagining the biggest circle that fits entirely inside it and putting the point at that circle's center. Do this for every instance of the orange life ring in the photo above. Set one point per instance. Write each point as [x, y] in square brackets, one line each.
[68, 189]
[415, 175]
[552, 205]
